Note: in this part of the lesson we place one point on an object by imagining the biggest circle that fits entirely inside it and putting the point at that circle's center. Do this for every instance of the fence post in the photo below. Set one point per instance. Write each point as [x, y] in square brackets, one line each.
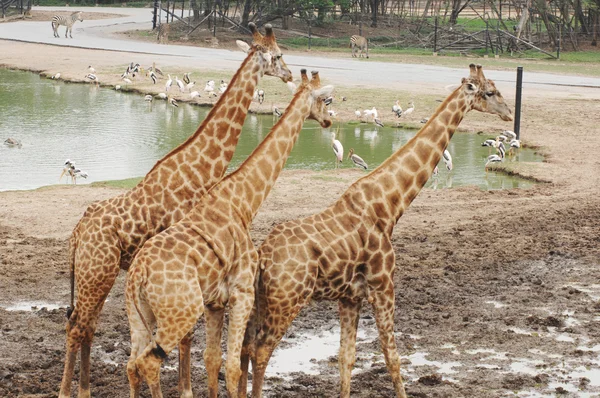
[517, 125]
[435, 30]
[309, 34]
[487, 36]
[156, 5]
[558, 47]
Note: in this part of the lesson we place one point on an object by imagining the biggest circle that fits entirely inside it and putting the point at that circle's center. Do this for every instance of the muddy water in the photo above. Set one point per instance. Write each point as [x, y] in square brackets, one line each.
[113, 135]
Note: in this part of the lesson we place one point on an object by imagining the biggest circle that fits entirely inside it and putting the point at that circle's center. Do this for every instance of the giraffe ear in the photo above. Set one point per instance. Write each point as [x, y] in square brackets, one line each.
[323, 92]
[242, 45]
[471, 88]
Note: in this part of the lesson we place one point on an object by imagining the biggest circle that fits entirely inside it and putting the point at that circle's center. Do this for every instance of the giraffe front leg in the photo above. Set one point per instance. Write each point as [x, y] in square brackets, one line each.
[349, 314]
[241, 303]
[185, 382]
[383, 305]
[212, 353]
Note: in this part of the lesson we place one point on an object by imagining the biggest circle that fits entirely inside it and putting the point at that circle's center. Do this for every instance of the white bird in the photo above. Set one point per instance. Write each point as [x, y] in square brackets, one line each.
[259, 96]
[118, 87]
[514, 144]
[194, 94]
[357, 114]
[276, 111]
[56, 76]
[397, 109]
[210, 86]
[489, 142]
[92, 77]
[495, 158]
[378, 122]
[173, 102]
[190, 85]
[371, 112]
[447, 159]
[186, 77]
[91, 69]
[501, 138]
[223, 86]
[357, 160]
[148, 98]
[168, 83]
[180, 84]
[79, 173]
[162, 95]
[338, 150]
[292, 87]
[332, 113]
[509, 134]
[68, 168]
[410, 109]
[436, 171]
[153, 77]
[127, 80]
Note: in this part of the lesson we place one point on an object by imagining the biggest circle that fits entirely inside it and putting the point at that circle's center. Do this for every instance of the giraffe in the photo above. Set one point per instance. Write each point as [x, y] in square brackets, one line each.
[207, 261]
[111, 232]
[345, 253]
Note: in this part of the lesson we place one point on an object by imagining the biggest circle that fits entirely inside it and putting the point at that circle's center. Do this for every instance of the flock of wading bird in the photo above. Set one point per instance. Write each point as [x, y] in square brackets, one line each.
[183, 234]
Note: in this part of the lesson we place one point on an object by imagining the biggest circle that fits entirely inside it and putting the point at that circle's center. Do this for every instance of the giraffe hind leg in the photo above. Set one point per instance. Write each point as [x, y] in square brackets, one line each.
[349, 314]
[383, 300]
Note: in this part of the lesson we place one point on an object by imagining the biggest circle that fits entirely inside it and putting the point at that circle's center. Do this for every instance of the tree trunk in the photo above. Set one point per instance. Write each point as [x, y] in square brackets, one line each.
[374, 7]
[246, 13]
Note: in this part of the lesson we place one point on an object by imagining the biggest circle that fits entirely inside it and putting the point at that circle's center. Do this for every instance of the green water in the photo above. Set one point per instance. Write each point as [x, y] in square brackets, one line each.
[113, 135]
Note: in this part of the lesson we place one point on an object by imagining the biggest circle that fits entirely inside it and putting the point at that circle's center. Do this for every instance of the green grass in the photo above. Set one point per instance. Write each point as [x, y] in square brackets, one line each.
[123, 184]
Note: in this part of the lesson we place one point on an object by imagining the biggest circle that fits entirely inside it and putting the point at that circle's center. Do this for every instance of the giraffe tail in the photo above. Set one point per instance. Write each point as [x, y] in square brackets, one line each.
[135, 281]
[72, 249]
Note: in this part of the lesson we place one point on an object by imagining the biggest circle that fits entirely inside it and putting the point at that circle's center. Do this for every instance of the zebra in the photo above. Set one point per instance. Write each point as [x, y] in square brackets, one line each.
[360, 42]
[58, 20]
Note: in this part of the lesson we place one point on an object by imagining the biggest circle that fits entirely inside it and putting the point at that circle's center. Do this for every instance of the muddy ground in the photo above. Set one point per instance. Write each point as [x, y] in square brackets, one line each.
[497, 292]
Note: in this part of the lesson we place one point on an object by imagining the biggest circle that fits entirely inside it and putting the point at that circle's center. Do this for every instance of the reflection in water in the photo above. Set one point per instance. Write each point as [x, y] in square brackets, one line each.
[114, 135]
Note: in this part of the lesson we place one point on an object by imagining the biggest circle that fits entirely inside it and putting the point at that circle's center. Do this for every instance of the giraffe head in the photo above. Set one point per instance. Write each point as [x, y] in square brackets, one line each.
[486, 98]
[316, 97]
[271, 54]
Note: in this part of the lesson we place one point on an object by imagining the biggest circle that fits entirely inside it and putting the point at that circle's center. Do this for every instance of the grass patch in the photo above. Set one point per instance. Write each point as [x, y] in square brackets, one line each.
[122, 184]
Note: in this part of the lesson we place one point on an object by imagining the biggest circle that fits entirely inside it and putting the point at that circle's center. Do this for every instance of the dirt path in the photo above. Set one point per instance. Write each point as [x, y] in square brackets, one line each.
[497, 292]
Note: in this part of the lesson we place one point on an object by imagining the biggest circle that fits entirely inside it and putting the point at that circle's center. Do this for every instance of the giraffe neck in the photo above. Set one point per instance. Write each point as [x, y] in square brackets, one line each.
[253, 180]
[199, 162]
[391, 187]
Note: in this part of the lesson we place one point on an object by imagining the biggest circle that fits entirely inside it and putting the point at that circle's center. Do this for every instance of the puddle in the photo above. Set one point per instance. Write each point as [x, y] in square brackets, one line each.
[419, 359]
[303, 353]
[496, 304]
[32, 306]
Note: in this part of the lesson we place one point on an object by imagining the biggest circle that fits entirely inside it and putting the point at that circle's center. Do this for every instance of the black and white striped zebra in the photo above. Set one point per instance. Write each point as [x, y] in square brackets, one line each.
[58, 20]
[360, 42]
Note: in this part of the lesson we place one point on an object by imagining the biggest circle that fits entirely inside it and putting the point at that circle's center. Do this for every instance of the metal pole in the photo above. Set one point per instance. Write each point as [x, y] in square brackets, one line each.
[517, 126]
[155, 14]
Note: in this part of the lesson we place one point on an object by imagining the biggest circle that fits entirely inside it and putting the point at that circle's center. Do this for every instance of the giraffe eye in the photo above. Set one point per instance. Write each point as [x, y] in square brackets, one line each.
[490, 93]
